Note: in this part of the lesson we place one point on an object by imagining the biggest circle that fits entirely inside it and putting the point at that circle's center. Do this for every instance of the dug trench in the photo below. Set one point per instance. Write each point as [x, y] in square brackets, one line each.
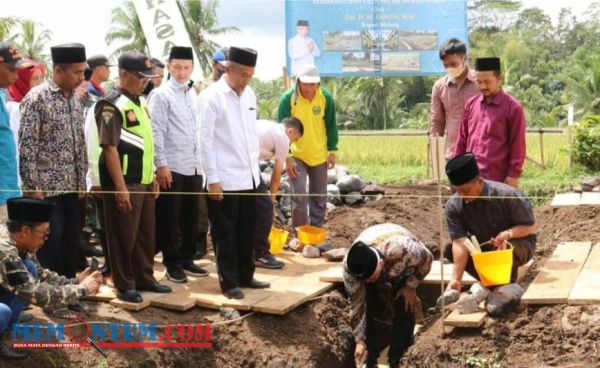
[318, 334]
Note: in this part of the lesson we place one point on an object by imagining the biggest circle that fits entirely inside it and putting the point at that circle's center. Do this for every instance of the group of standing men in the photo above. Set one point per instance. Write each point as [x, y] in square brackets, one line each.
[161, 162]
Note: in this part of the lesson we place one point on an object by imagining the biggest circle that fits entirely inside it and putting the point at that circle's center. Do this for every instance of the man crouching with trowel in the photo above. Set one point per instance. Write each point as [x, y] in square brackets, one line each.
[382, 269]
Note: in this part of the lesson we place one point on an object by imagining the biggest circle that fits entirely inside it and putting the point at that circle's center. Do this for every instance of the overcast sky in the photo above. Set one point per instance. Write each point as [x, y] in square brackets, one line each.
[261, 23]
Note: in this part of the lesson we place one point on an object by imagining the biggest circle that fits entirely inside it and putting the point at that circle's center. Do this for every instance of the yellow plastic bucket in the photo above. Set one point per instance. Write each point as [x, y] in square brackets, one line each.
[311, 234]
[277, 239]
[494, 267]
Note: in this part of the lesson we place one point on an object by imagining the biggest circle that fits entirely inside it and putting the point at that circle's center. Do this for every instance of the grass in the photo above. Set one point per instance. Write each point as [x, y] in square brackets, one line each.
[403, 160]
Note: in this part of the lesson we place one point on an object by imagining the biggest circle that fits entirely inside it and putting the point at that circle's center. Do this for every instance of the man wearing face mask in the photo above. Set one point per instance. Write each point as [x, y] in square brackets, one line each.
[179, 167]
[450, 93]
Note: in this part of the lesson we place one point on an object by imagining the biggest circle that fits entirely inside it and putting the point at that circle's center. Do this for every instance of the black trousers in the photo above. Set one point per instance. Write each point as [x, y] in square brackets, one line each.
[232, 228]
[101, 226]
[387, 323]
[177, 214]
[264, 219]
[62, 250]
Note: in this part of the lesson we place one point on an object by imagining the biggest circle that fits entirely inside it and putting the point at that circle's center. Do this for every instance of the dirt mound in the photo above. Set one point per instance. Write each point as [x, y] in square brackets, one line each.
[414, 207]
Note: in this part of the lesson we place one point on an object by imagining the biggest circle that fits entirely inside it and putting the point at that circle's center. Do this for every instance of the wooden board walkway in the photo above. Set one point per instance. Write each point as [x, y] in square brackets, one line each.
[292, 286]
[556, 278]
[335, 274]
[576, 199]
[587, 286]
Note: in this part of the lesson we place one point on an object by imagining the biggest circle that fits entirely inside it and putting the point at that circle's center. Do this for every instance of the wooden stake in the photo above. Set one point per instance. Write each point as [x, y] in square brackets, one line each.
[441, 224]
[542, 148]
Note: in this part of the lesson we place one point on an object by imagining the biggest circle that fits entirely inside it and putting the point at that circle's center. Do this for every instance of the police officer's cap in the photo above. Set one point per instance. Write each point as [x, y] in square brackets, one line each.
[97, 60]
[462, 169]
[68, 53]
[243, 56]
[136, 62]
[362, 260]
[29, 210]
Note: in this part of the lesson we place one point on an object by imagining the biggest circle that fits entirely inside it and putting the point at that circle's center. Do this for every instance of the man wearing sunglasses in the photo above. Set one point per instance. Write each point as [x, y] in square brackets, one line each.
[22, 278]
[126, 168]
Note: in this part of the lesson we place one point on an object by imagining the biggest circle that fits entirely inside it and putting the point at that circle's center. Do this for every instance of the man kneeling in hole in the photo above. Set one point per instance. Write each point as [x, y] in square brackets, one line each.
[382, 269]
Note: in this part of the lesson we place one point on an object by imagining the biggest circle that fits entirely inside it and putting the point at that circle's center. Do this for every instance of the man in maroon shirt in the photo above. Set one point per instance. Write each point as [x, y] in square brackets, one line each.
[493, 127]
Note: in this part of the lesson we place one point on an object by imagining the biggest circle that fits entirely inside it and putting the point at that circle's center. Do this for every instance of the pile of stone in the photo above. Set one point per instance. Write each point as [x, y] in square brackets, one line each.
[588, 184]
[343, 188]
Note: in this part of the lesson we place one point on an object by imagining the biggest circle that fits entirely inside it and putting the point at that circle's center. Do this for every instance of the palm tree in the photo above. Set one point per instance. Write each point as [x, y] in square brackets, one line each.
[200, 18]
[126, 27]
[32, 41]
[6, 26]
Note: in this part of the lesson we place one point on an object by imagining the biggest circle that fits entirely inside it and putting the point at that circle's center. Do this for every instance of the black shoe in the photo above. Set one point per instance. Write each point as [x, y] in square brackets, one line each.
[129, 295]
[195, 270]
[157, 288]
[268, 261]
[97, 252]
[176, 275]
[234, 293]
[105, 270]
[255, 284]
[9, 353]
[201, 252]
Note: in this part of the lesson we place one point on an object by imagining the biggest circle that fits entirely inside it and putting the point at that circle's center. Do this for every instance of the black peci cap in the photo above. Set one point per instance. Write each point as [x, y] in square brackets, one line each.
[487, 64]
[243, 56]
[29, 210]
[180, 52]
[361, 260]
[68, 53]
[462, 169]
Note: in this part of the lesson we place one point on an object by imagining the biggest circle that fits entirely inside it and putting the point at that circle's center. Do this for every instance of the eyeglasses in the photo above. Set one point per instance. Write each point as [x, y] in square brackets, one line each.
[44, 233]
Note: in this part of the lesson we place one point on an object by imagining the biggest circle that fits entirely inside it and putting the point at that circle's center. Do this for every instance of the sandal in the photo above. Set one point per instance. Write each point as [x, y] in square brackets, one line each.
[79, 306]
[63, 313]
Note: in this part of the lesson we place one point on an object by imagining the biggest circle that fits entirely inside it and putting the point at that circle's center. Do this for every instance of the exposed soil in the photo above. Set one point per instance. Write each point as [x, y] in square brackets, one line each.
[317, 334]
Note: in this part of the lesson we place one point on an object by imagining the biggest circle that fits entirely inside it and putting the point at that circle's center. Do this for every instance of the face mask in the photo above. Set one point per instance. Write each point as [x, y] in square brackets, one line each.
[177, 84]
[455, 72]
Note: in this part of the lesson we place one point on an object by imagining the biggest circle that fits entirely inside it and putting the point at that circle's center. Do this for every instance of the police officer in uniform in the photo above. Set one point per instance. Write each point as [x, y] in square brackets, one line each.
[22, 278]
[126, 167]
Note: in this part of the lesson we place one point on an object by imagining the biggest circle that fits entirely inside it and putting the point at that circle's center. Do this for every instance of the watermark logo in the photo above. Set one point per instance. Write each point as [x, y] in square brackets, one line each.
[78, 333]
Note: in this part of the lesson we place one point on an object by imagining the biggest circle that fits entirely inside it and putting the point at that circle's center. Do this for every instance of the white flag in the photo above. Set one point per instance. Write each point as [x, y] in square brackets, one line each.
[163, 26]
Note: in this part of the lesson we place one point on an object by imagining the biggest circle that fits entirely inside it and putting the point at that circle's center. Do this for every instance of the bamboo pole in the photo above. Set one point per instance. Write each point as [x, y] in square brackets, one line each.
[542, 148]
[441, 226]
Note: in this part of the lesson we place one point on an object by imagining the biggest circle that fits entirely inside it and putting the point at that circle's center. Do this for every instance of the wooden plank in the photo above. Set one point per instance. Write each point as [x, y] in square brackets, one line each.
[590, 198]
[290, 293]
[335, 274]
[587, 286]
[566, 199]
[131, 306]
[105, 294]
[554, 282]
[471, 320]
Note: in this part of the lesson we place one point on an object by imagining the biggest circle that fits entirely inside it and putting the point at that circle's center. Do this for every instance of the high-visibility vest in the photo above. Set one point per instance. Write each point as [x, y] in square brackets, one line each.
[136, 145]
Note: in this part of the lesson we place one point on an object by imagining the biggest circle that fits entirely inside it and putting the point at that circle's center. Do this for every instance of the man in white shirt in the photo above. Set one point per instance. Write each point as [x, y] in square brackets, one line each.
[302, 49]
[175, 125]
[274, 141]
[230, 159]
